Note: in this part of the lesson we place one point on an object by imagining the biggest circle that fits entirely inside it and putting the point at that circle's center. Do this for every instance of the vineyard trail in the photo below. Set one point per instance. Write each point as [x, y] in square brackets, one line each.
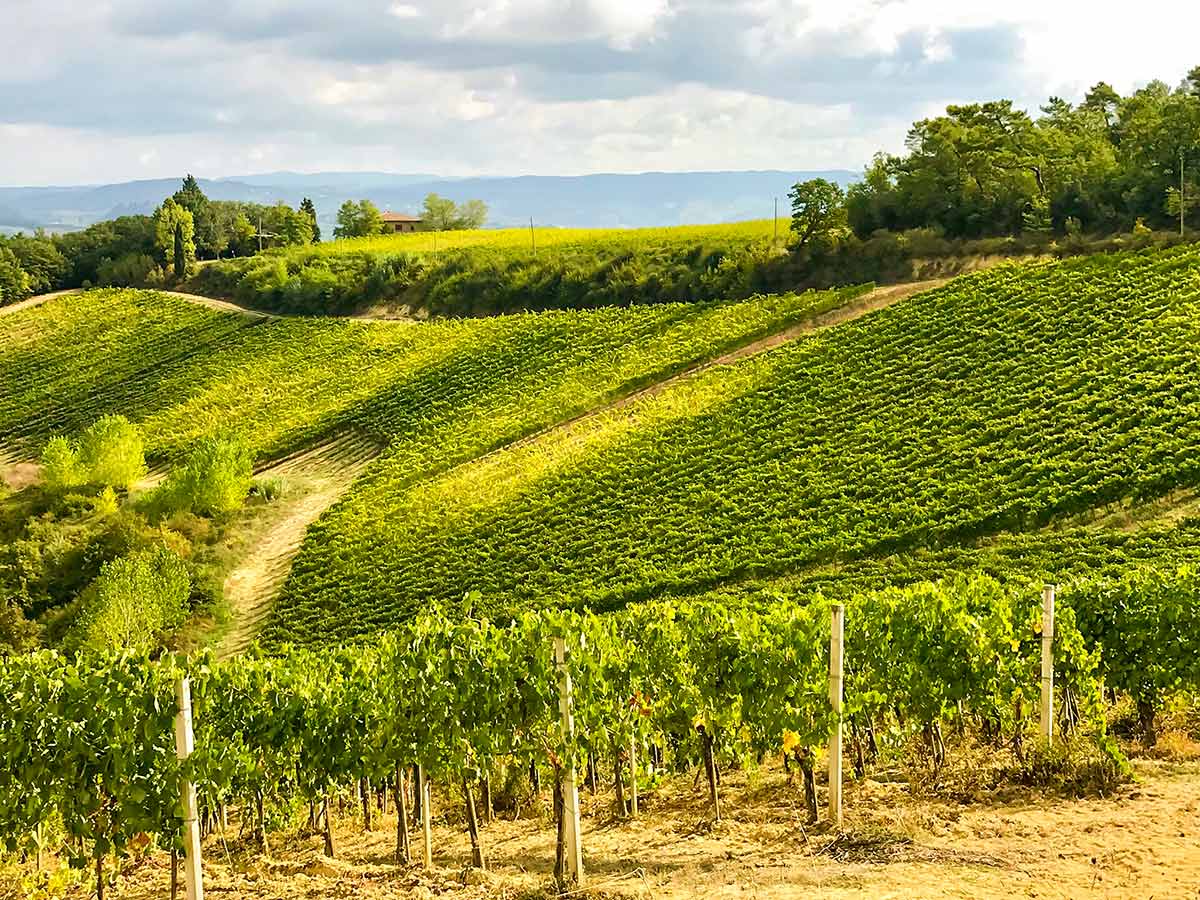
[1142, 842]
[328, 471]
[313, 481]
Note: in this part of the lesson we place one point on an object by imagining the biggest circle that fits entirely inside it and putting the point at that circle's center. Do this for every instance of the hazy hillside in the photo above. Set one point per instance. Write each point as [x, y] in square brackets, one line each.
[647, 199]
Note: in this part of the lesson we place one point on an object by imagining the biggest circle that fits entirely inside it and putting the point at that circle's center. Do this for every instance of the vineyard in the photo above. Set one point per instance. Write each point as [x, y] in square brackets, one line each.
[544, 483]
[87, 743]
[488, 272]
[439, 392]
[1004, 401]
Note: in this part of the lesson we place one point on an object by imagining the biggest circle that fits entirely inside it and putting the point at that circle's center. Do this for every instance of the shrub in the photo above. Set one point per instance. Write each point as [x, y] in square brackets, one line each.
[134, 601]
[213, 480]
[111, 453]
[60, 465]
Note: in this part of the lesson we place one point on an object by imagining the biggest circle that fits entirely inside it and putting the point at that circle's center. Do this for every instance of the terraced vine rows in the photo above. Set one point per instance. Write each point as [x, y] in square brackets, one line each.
[441, 391]
[998, 402]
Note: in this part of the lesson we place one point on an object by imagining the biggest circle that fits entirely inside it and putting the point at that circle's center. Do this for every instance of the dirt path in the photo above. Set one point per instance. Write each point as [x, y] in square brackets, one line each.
[212, 303]
[313, 481]
[1142, 842]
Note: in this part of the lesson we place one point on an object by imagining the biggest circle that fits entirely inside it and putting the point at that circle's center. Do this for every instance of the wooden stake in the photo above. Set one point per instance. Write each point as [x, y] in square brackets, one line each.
[574, 841]
[837, 627]
[426, 816]
[184, 744]
[1047, 723]
[477, 858]
[403, 856]
[633, 776]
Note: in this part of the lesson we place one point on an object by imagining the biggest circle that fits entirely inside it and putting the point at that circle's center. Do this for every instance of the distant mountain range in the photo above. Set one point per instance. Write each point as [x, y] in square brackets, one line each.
[602, 201]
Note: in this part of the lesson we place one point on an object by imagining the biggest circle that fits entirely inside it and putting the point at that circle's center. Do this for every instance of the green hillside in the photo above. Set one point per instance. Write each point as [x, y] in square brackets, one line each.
[488, 272]
[437, 392]
[1003, 401]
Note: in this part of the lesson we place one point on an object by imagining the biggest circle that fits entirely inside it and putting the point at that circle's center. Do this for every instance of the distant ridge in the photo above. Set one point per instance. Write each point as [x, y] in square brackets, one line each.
[645, 199]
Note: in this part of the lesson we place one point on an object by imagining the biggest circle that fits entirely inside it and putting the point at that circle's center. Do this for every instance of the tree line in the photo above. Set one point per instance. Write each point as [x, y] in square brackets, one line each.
[1108, 165]
[187, 228]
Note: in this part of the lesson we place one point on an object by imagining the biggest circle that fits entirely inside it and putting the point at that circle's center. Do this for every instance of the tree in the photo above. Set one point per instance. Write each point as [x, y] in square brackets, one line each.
[1192, 82]
[213, 480]
[172, 221]
[818, 211]
[111, 453]
[245, 235]
[41, 260]
[135, 599]
[309, 209]
[14, 283]
[211, 235]
[292, 226]
[180, 252]
[442, 214]
[360, 219]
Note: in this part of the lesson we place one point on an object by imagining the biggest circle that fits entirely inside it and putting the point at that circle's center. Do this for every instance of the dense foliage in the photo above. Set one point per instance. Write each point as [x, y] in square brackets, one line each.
[1002, 401]
[486, 272]
[988, 168]
[686, 679]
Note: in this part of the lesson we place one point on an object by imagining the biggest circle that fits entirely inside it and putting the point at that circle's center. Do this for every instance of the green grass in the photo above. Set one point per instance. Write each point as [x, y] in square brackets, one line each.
[1003, 401]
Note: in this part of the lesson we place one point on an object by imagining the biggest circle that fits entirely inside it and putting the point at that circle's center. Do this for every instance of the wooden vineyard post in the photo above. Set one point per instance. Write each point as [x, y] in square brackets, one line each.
[837, 628]
[574, 842]
[184, 744]
[426, 817]
[633, 776]
[1047, 723]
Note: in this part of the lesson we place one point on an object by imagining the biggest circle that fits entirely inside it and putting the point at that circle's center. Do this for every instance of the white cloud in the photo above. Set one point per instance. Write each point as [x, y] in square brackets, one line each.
[554, 86]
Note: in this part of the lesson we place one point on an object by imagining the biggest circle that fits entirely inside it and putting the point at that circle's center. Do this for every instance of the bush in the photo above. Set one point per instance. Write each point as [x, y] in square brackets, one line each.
[61, 470]
[111, 453]
[214, 480]
[134, 601]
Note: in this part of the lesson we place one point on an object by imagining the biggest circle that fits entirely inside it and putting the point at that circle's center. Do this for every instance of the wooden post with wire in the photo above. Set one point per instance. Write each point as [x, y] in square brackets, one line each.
[184, 744]
[571, 826]
[426, 817]
[532, 237]
[837, 630]
[1047, 721]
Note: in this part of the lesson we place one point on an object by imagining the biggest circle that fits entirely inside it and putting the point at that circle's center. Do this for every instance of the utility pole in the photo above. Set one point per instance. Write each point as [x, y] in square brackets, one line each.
[263, 234]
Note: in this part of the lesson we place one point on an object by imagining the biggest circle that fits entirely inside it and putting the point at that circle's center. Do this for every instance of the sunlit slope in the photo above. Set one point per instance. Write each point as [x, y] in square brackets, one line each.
[435, 392]
[999, 402]
[486, 272]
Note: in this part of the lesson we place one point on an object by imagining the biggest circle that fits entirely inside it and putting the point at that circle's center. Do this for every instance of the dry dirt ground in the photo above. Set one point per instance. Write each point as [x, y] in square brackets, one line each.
[1143, 842]
[313, 481]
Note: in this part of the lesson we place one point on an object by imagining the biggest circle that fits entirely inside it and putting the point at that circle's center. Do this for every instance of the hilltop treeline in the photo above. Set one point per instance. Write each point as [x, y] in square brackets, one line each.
[1100, 166]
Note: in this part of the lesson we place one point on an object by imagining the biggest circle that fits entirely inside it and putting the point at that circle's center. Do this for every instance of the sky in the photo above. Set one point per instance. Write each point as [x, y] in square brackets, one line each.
[115, 90]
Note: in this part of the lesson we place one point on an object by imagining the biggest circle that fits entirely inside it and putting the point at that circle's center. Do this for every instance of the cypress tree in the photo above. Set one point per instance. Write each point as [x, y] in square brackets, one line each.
[180, 257]
[309, 209]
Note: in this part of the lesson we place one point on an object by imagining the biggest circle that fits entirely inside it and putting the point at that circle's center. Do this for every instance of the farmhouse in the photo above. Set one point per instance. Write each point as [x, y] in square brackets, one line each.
[397, 222]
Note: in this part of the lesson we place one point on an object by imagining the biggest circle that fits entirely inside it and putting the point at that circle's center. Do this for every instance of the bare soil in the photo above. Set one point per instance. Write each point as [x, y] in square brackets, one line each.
[313, 481]
[1143, 842]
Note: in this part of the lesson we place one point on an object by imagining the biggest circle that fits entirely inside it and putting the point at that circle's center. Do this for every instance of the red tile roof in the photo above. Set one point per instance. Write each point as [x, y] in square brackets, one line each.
[400, 217]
